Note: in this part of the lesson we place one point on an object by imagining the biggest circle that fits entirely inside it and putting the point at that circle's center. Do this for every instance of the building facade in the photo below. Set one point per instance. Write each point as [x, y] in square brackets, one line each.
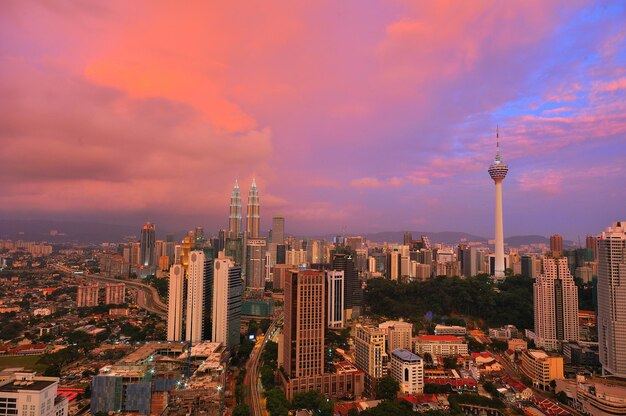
[175, 299]
[227, 290]
[114, 293]
[303, 331]
[87, 295]
[440, 345]
[26, 394]
[398, 334]
[199, 297]
[408, 370]
[556, 305]
[370, 355]
[541, 368]
[335, 298]
[611, 321]
[147, 255]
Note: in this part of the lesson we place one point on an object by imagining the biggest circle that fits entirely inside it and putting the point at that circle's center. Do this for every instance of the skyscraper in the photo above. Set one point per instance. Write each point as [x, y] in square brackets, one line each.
[255, 263]
[234, 217]
[335, 299]
[278, 230]
[591, 243]
[199, 296]
[175, 303]
[253, 212]
[303, 333]
[556, 245]
[226, 302]
[147, 256]
[498, 171]
[612, 299]
[342, 260]
[556, 305]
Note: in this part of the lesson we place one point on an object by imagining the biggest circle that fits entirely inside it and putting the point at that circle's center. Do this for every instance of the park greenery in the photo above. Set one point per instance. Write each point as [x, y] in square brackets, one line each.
[495, 304]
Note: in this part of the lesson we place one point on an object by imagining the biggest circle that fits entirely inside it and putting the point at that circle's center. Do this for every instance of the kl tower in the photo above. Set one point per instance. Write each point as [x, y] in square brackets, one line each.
[498, 171]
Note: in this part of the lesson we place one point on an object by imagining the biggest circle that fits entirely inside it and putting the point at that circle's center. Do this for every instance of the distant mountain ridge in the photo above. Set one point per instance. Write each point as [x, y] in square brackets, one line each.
[94, 232]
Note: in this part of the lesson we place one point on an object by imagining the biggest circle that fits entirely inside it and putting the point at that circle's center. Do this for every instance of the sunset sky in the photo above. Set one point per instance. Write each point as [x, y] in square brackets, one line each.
[358, 115]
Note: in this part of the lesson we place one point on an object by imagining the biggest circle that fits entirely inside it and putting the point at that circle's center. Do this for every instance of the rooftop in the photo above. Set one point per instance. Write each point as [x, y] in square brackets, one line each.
[32, 385]
[439, 338]
[406, 355]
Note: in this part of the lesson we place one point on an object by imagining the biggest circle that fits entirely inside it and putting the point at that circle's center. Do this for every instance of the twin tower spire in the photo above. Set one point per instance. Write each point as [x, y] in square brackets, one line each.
[252, 215]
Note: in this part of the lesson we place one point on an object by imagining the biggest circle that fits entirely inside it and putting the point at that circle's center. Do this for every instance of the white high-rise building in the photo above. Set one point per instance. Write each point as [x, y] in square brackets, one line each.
[199, 297]
[335, 285]
[408, 370]
[227, 288]
[175, 303]
[498, 171]
[556, 305]
[612, 299]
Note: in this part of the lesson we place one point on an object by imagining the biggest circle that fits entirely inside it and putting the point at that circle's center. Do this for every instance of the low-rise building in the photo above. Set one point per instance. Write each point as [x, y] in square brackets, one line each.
[450, 330]
[542, 368]
[408, 370]
[28, 394]
[346, 382]
[440, 345]
[595, 396]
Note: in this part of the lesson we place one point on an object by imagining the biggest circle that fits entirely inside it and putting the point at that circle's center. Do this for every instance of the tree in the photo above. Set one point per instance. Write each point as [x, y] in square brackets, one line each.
[450, 362]
[313, 400]
[353, 412]
[387, 388]
[428, 358]
[276, 402]
[241, 410]
[267, 377]
[562, 397]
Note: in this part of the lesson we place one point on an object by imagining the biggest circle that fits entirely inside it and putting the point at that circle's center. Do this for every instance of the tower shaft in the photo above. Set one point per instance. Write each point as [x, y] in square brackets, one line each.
[499, 237]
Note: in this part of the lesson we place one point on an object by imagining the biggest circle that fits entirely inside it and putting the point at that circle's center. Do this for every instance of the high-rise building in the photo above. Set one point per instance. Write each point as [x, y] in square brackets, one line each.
[279, 275]
[278, 230]
[408, 238]
[226, 302]
[408, 370]
[611, 321]
[175, 300]
[255, 263]
[591, 243]
[342, 259]
[199, 297]
[147, 256]
[303, 332]
[335, 298]
[394, 264]
[234, 217]
[253, 212]
[87, 295]
[556, 305]
[398, 334]
[370, 354]
[114, 293]
[556, 245]
[498, 171]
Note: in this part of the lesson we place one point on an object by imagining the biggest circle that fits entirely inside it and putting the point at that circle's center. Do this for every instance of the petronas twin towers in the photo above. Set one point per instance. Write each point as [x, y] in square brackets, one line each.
[252, 214]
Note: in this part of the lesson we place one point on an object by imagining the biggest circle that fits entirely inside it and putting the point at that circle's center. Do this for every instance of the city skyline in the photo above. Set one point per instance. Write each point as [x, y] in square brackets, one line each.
[400, 143]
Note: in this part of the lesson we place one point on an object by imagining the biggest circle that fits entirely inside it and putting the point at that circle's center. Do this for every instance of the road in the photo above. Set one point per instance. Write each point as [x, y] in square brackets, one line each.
[147, 296]
[252, 379]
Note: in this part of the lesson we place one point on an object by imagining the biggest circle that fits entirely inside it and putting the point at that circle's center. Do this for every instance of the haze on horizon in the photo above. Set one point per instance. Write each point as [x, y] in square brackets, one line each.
[350, 117]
